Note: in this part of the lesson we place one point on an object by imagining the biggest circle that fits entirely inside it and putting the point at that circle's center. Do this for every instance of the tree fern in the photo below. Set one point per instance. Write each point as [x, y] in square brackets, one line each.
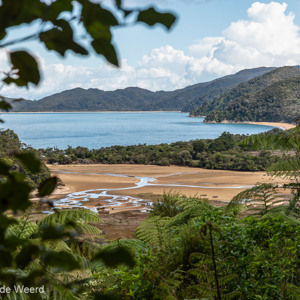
[209, 271]
[23, 229]
[152, 230]
[259, 200]
[191, 208]
[289, 166]
[66, 216]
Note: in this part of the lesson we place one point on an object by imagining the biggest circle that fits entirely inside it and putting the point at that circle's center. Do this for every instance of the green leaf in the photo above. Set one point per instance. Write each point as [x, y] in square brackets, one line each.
[113, 257]
[4, 168]
[47, 186]
[53, 233]
[14, 193]
[5, 258]
[14, 13]
[151, 17]
[5, 105]
[104, 47]
[107, 297]
[60, 39]
[58, 7]
[26, 255]
[29, 161]
[61, 261]
[92, 12]
[27, 66]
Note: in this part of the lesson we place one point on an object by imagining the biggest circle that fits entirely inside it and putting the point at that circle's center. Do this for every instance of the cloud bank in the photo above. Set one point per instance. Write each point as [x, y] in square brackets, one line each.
[268, 37]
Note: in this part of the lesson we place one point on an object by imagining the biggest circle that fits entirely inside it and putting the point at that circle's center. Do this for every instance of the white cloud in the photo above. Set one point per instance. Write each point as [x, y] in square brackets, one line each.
[268, 37]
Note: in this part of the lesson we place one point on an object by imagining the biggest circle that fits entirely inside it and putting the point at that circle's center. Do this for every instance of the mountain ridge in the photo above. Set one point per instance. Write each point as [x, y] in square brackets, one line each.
[270, 97]
[137, 99]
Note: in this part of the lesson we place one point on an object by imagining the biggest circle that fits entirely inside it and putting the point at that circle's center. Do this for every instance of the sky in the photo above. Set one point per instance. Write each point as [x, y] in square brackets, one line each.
[211, 38]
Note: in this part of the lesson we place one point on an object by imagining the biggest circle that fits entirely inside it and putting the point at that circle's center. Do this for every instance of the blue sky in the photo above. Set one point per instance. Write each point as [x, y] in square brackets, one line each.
[211, 38]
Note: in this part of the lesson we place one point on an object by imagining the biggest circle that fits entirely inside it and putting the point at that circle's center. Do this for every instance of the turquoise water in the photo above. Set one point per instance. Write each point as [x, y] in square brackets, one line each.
[95, 130]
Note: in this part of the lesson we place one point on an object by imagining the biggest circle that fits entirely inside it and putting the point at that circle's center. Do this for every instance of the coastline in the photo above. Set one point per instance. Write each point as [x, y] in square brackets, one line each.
[216, 185]
[89, 111]
[284, 126]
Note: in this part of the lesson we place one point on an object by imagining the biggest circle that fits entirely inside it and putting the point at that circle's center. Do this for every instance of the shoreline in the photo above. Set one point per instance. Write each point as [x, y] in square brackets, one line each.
[284, 126]
[131, 187]
[89, 111]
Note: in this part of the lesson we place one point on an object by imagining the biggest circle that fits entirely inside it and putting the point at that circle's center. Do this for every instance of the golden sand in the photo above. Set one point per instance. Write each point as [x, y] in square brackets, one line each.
[212, 184]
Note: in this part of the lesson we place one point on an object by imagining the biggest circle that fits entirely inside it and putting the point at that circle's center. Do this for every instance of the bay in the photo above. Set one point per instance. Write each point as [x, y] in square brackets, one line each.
[102, 129]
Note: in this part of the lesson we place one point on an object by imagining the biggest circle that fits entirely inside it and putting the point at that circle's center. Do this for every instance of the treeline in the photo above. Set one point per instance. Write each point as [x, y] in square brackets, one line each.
[279, 102]
[223, 152]
[270, 97]
[10, 145]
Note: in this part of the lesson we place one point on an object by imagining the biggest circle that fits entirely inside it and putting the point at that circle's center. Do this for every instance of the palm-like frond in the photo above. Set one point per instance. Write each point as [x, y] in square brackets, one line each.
[259, 200]
[65, 216]
[287, 167]
[152, 230]
[23, 229]
[78, 219]
[191, 208]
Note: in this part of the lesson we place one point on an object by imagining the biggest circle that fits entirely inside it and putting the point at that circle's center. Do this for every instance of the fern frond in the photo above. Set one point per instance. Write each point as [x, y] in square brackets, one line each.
[65, 216]
[87, 228]
[134, 245]
[287, 167]
[152, 230]
[23, 229]
[191, 208]
[273, 215]
[258, 200]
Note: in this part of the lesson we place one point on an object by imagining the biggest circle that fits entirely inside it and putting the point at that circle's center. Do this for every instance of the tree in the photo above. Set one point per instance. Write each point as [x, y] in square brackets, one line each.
[288, 168]
[35, 262]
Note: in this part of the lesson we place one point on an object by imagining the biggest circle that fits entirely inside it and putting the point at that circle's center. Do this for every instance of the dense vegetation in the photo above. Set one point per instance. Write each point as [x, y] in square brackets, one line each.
[185, 249]
[188, 249]
[279, 102]
[223, 152]
[222, 85]
[270, 97]
[137, 99]
[10, 154]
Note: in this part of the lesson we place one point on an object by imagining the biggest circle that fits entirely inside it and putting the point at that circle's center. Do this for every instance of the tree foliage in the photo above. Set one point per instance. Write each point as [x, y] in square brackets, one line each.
[271, 97]
[42, 255]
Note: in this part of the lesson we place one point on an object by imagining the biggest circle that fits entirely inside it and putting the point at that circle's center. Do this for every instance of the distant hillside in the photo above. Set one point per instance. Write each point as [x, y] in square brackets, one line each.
[270, 97]
[137, 99]
[279, 102]
[222, 85]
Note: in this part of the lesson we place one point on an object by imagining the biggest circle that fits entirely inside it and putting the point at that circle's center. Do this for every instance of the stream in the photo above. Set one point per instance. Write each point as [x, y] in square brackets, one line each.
[106, 200]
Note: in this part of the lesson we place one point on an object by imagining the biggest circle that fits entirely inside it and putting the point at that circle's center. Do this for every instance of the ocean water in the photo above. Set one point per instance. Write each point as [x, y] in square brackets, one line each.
[102, 129]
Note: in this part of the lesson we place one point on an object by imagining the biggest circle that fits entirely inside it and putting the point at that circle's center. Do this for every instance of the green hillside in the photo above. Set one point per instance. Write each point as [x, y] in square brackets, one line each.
[279, 102]
[137, 99]
[245, 93]
[222, 85]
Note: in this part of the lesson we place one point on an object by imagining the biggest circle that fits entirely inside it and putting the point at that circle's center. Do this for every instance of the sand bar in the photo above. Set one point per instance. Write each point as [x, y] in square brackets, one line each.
[124, 180]
[285, 126]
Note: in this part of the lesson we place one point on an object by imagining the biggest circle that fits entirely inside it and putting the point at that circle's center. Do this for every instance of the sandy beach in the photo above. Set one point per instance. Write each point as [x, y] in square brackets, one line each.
[285, 126]
[124, 184]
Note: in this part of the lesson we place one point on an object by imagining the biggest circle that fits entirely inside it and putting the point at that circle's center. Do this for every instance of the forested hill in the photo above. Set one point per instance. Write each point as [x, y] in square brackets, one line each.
[273, 96]
[222, 85]
[279, 102]
[135, 99]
